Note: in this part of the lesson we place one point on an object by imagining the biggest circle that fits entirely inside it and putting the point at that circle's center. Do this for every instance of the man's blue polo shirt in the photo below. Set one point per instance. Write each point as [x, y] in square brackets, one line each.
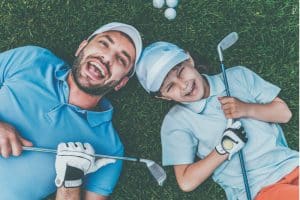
[34, 99]
[194, 129]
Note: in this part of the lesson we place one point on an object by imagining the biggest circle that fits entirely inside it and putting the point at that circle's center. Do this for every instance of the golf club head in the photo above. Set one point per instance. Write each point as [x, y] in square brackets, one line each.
[227, 42]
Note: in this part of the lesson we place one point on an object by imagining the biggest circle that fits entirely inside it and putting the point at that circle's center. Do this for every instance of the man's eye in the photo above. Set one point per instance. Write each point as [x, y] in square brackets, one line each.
[103, 43]
[122, 61]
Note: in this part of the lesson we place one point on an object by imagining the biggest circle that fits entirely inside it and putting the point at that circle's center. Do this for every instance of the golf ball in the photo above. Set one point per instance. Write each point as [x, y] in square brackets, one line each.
[170, 13]
[158, 3]
[172, 3]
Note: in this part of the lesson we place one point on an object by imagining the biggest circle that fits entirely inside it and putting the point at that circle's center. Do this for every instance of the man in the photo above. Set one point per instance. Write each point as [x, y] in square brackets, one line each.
[44, 103]
[197, 126]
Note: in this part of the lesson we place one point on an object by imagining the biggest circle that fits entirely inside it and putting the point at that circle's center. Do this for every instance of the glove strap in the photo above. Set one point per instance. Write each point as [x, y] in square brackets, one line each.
[73, 177]
[220, 149]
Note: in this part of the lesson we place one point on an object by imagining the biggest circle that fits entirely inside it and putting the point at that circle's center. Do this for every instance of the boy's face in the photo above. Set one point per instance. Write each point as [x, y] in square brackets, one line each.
[184, 84]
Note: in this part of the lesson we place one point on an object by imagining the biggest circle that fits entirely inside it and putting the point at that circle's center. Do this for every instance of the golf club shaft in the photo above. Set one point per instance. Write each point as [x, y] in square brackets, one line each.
[240, 153]
[37, 149]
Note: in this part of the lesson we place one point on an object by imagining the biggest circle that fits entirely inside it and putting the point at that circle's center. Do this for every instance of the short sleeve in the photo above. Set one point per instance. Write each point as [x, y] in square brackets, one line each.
[179, 146]
[12, 60]
[261, 90]
[105, 179]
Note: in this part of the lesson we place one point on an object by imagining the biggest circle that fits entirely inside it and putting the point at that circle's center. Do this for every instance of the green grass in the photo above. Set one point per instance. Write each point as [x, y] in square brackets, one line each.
[268, 44]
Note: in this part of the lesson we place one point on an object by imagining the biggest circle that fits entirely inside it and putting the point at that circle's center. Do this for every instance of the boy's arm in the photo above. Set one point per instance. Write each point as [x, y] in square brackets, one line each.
[276, 111]
[190, 176]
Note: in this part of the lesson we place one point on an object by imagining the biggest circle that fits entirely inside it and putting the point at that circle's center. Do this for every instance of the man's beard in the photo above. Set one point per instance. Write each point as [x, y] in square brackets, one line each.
[95, 90]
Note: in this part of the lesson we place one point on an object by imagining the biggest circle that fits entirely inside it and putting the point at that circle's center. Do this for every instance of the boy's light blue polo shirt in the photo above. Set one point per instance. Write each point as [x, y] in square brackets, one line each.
[34, 99]
[196, 128]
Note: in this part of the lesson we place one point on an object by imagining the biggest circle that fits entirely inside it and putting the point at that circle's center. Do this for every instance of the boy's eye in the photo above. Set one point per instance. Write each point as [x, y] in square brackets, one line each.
[180, 71]
[169, 87]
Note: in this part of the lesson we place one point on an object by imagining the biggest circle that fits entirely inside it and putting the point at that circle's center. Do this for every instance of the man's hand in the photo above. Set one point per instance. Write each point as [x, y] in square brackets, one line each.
[233, 139]
[73, 161]
[10, 141]
[233, 108]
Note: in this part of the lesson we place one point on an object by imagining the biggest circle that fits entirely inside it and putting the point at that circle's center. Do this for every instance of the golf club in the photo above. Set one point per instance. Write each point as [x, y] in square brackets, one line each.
[227, 42]
[157, 171]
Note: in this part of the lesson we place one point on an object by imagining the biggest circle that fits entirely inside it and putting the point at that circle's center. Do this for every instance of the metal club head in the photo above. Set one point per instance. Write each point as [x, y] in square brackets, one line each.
[157, 171]
[227, 42]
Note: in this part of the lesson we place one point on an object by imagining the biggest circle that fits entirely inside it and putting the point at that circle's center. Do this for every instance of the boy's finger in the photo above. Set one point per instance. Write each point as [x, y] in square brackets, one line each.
[224, 99]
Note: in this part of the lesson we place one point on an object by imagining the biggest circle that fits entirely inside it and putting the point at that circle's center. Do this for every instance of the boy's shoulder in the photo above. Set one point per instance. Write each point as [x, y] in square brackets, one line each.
[177, 113]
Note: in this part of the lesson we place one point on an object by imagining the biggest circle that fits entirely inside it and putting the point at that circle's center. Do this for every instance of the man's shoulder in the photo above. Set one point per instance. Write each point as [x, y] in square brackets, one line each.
[30, 49]
[29, 53]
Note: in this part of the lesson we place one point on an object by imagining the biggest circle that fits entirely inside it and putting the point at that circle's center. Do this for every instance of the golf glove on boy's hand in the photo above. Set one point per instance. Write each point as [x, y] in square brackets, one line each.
[73, 161]
[233, 139]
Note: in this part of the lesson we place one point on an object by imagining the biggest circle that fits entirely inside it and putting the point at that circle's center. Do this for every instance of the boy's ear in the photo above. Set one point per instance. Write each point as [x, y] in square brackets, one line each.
[190, 60]
[163, 98]
[81, 46]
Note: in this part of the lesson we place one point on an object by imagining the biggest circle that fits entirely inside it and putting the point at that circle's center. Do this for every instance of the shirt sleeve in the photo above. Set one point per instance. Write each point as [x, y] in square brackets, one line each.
[12, 60]
[261, 90]
[179, 146]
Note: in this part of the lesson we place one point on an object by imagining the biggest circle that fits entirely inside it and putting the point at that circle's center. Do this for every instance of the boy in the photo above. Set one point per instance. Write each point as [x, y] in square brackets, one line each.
[196, 126]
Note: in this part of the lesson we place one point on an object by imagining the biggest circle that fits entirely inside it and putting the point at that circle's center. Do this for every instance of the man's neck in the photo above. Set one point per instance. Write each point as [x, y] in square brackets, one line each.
[79, 98]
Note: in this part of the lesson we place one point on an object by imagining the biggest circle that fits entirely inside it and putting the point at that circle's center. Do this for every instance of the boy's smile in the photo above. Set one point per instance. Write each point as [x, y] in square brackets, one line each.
[184, 84]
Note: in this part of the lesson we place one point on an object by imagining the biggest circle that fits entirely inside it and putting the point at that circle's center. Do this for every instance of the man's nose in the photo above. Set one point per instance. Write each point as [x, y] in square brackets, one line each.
[107, 59]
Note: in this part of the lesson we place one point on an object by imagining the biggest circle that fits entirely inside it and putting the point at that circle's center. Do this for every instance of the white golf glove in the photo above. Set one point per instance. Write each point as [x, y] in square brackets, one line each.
[233, 139]
[73, 161]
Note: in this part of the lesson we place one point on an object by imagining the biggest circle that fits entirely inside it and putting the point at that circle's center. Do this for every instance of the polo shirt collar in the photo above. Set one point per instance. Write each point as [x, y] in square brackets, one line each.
[94, 118]
[62, 74]
[216, 87]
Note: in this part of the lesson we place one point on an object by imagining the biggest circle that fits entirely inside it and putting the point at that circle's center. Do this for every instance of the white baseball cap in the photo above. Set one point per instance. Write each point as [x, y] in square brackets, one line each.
[129, 30]
[155, 63]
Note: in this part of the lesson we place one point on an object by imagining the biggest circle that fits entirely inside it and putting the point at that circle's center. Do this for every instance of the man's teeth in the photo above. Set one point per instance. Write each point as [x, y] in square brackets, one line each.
[96, 65]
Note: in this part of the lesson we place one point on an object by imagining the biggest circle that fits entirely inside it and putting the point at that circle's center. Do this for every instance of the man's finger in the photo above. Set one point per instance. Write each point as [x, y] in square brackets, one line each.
[5, 149]
[16, 147]
[25, 142]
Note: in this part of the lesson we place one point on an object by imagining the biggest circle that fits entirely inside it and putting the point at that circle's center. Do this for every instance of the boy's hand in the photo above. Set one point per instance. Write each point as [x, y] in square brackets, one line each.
[233, 108]
[233, 139]
[73, 161]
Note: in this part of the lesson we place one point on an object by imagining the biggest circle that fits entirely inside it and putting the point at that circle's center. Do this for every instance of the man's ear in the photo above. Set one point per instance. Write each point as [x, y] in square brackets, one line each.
[190, 60]
[81, 46]
[122, 83]
[163, 98]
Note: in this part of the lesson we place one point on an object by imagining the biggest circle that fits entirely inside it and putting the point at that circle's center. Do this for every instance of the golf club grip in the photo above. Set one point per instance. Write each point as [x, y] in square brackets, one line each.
[37, 149]
[240, 153]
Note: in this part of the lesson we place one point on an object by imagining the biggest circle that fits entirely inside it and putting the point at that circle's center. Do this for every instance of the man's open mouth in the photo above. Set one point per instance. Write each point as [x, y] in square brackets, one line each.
[95, 71]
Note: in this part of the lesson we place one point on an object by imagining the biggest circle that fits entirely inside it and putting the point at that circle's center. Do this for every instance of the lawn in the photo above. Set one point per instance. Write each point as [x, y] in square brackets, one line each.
[268, 44]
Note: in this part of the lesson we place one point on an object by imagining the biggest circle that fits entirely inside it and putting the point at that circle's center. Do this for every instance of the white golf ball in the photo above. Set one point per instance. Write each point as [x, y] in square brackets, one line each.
[170, 13]
[172, 3]
[158, 3]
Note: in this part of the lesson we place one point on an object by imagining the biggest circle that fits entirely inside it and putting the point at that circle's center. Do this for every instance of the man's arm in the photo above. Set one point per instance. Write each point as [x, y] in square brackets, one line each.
[190, 176]
[276, 111]
[68, 193]
[73, 162]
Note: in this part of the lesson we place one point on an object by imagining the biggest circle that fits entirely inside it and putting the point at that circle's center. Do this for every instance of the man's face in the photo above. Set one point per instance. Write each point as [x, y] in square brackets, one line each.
[184, 84]
[103, 63]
